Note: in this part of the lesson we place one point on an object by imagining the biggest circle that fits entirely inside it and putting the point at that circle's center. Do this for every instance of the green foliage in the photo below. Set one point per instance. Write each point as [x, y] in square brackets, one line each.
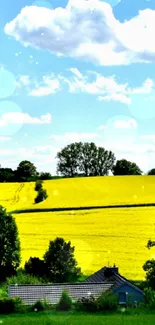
[9, 245]
[149, 298]
[19, 306]
[125, 167]
[151, 172]
[42, 195]
[107, 301]
[41, 305]
[84, 158]
[24, 279]
[7, 175]
[38, 185]
[149, 268]
[65, 302]
[26, 171]
[11, 305]
[60, 262]
[87, 304]
[45, 176]
[35, 267]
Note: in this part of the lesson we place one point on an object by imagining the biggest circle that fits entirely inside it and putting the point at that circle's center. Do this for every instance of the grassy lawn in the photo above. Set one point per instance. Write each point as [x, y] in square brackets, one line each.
[50, 318]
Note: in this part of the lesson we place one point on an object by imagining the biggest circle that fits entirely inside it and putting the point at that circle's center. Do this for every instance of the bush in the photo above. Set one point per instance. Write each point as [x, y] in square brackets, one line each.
[42, 195]
[149, 295]
[35, 267]
[65, 302]
[86, 304]
[38, 185]
[24, 279]
[11, 305]
[19, 306]
[39, 306]
[107, 301]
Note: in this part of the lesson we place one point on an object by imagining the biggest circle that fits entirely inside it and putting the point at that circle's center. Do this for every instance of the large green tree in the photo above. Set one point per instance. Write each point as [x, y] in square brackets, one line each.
[125, 167]
[68, 160]
[26, 171]
[149, 267]
[9, 245]
[151, 172]
[60, 261]
[86, 159]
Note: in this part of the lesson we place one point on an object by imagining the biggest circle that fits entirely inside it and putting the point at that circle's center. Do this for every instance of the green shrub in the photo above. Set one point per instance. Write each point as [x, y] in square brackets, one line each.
[38, 185]
[35, 267]
[107, 301]
[38, 306]
[149, 295]
[11, 305]
[24, 279]
[42, 195]
[19, 306]
[65, 302]
[86, 304]
[41, 305]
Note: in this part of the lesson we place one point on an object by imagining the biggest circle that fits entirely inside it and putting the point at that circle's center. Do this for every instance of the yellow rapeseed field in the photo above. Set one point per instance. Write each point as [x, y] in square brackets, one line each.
[100, 236]
[81, 192]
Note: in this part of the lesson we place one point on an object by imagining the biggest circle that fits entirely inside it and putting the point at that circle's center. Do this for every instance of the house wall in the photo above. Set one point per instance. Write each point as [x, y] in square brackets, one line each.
[132, 294]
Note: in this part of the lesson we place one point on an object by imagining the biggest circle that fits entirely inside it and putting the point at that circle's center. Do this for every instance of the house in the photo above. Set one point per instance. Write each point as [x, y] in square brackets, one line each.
[108, 278]
[126, 291]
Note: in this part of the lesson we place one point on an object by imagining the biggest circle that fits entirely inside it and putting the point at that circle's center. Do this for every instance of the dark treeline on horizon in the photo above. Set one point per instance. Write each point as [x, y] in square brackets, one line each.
[75, 160]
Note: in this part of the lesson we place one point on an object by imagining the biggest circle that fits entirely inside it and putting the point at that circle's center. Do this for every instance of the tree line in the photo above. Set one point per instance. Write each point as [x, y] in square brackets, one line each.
[75, 160]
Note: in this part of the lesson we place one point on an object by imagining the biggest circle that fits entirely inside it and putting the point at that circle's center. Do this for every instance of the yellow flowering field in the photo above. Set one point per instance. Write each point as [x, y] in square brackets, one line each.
[81, 192]
[99, 236]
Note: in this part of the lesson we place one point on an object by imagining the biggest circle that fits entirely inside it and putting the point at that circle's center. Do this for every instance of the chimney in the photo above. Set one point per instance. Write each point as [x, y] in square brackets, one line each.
[110, 270]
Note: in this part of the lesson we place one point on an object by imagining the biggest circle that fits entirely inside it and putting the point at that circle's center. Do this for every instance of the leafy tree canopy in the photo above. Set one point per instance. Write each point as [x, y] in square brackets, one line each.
[151, 172]
[125, 167]
[26, 170]
[60, 262]
[9, 245]
[84, 158]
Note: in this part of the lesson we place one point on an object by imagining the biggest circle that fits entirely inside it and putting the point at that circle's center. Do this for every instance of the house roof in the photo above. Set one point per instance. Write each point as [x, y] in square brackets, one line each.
[31, 293]
[117, 280]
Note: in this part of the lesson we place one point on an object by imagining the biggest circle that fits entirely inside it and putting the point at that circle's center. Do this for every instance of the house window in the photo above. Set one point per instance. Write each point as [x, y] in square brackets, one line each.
[122, 298]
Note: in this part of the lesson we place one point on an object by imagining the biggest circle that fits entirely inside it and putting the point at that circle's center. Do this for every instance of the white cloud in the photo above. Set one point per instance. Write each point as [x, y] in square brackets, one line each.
[74, 137]
[122, 124]
[88, 30]
[23, 80]
[101, 127]
[122, 98]
[47, 87]
[146, 88]
[150, 137]
[106, 88]
[5, 138]
[24, 118]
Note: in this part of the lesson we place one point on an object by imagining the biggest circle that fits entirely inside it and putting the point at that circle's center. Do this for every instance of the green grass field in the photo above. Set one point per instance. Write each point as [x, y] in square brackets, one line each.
[77, 319]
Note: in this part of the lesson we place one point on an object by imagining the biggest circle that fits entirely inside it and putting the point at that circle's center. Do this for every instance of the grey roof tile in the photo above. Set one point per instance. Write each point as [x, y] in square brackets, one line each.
[31, 293]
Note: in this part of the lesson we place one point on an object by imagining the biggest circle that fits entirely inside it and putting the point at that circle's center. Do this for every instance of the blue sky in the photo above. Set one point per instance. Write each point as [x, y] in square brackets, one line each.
[82, 70]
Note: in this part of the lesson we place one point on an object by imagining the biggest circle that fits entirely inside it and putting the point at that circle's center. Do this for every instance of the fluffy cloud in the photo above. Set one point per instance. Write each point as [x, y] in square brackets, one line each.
[23, 118]
[87, 30]
[122, 124]
[49, 86]
[74, 137]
